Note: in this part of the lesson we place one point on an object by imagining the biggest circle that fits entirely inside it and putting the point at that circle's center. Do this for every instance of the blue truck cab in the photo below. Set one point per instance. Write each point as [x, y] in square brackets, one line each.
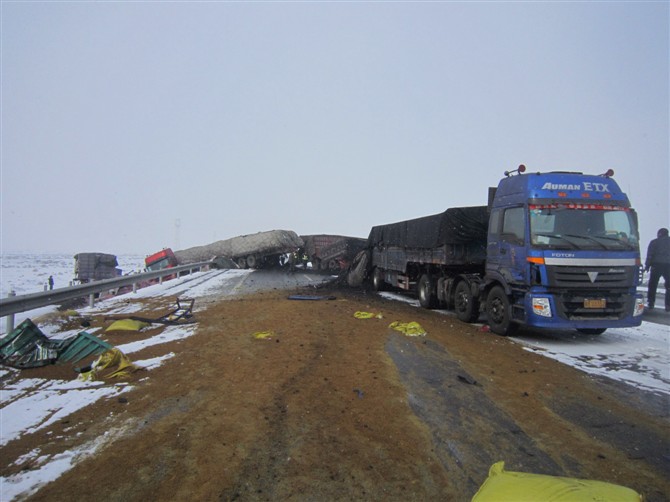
[562, 252]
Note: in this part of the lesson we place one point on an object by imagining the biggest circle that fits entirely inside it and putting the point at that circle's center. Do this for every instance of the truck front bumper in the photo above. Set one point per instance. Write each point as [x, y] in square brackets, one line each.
[546, 310]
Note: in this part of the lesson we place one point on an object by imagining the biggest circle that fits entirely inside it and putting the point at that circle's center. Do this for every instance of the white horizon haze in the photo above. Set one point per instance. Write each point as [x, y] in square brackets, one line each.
[127, 127]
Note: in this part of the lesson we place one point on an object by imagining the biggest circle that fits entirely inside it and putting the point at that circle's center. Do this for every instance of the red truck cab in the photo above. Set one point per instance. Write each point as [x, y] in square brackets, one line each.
[160, 260]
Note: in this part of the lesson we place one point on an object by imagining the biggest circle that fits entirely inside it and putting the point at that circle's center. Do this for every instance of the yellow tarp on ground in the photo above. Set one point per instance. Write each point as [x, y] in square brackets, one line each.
[408, 328]
[115, 362]
[367, 315]
[127, 325]
[263, 335]
[504, 486]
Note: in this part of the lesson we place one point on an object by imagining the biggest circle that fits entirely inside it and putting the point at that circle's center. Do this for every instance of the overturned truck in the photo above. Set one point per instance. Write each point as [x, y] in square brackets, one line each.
[263, 249]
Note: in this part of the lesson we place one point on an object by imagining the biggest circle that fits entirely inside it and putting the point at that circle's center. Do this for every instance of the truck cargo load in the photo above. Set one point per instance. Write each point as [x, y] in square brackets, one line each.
[248, 251]
[95, 267]
[458, 225]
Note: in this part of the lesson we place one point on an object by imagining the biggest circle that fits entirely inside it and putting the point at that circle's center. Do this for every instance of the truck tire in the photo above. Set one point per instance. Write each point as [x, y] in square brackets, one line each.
[378, 283]
[252, 261]
[466, 305]
[499, 312]
[592, 331]
[333, 267]
[241, 262]
[427, 297]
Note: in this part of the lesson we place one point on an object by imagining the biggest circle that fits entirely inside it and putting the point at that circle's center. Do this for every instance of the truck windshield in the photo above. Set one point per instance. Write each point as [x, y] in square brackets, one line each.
[582, 226]
[159, 265]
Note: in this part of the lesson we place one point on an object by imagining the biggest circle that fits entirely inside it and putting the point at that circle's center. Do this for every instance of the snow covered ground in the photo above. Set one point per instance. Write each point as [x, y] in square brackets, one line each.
[28, 273]
[27, 406]
[637, 356]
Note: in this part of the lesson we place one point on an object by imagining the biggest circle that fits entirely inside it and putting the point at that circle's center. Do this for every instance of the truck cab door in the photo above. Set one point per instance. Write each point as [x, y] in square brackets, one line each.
[506, 253]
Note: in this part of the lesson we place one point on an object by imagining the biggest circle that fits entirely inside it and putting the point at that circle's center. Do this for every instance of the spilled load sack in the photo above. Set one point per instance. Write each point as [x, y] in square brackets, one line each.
[111, 364]
[367, 315]
[502, 486]
[263, 335]
[127, 325]
[408, 328]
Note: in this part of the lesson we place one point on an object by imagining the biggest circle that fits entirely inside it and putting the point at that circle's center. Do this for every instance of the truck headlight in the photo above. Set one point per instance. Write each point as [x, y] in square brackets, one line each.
[541, 307]
[639, 307]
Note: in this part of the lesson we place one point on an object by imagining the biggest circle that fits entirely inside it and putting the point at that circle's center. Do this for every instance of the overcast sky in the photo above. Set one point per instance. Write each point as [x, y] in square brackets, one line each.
[132, 126]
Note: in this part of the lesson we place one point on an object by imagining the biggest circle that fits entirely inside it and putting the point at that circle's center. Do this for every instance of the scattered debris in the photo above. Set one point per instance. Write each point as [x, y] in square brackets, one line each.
[263, 335]
[367, 315]
[181, 314]
[113, 360]
[28, 347]
[359, 393]
[408, 328]
[467, 379]
[311, 297]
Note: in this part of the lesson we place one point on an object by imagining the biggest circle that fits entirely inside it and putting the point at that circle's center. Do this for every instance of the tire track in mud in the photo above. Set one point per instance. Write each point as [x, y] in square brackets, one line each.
[454, 406]
[268, 460]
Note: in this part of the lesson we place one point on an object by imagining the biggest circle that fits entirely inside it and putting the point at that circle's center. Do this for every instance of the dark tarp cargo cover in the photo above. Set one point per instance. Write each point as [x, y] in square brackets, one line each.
[457, 225]
[95, 266]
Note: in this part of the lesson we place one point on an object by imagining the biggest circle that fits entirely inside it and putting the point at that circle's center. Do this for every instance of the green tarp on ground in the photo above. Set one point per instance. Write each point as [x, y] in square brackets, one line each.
[28, 347]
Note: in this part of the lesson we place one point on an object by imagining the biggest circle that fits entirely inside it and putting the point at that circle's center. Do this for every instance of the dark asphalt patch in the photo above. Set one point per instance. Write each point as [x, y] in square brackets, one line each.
[469, 432]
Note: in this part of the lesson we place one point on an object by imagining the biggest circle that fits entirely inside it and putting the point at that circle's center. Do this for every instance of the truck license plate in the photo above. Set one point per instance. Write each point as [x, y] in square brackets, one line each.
[595, 303]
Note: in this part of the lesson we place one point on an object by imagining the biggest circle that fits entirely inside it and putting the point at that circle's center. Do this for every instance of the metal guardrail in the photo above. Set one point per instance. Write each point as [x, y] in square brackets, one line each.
[15, 304]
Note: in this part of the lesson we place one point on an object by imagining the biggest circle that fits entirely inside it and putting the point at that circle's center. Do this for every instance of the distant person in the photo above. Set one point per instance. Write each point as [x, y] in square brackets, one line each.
[51, 282]
[658, 260]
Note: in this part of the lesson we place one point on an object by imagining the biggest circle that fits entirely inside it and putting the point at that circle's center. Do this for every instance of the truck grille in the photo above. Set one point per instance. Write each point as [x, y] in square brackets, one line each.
[591, 277]
[571, 305]
[575, 287]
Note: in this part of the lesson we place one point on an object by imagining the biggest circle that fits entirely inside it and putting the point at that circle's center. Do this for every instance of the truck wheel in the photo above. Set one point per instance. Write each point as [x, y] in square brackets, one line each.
[241, 262]
[499, 312]
[592, 331]
[427, 297]
[252, 261]
[333, 267]
[466, 306]
[378, 280]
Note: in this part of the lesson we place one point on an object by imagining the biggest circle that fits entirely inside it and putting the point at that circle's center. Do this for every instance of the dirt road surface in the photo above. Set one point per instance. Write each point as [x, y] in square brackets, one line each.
[332, 407]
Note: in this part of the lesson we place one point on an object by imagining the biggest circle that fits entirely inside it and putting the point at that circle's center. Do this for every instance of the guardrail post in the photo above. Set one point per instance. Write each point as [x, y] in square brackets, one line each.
[91, 300]
[134, 287]
[10, 318]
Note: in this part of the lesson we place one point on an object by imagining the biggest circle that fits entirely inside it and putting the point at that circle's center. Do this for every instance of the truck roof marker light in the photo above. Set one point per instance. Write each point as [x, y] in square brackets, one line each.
[537, 260]
[562, 194]
[608, 174]
[520, 169]
[586, 195]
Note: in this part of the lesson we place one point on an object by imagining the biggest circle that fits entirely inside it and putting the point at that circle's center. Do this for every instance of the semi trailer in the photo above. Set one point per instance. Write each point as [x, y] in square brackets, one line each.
[550, 250]
[90, 267]
[332, 253]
